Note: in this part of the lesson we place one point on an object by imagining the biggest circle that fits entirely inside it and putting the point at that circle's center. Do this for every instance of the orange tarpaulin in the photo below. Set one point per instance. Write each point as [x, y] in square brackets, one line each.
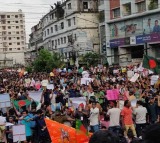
[61, 133]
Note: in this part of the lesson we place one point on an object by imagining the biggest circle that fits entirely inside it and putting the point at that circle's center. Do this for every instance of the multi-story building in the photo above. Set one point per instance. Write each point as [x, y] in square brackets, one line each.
[12, 37]
[35, 43]
[72, 26]
[132, 29]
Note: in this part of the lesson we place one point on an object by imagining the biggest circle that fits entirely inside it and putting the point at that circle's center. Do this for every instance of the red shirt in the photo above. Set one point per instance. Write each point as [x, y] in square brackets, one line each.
[127, 116]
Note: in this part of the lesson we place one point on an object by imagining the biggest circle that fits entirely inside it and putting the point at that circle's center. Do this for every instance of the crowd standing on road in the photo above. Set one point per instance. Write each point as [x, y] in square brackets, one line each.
[106, 118]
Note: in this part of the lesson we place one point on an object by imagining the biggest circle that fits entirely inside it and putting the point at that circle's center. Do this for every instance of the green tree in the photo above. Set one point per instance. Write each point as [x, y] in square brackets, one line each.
[91, 59]
[46, 61]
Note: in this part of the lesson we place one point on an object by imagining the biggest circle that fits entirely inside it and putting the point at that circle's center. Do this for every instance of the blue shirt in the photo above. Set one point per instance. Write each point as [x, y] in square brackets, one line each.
[27, 126]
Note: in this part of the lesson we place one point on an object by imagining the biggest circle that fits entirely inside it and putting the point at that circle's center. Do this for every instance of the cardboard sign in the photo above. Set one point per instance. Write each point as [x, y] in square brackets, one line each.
[85, 81]
[44, 82]
[50, 86]
[112, 94]
[19, 133]
[130, 74]
[5, 100]
[154, 79]
[35, 95]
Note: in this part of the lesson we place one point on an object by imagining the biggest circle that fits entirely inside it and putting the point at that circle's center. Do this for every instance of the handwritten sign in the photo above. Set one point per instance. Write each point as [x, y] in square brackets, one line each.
[19, 133]
[5, 100]
[112, 94]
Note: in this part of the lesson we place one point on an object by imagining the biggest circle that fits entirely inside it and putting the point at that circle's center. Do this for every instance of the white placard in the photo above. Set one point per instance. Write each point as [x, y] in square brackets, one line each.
[5, 100]
[8, 124]
[130, 74]
[35, 95]
[135, 77]
[121, 104]
[154, 79]
[86, 81]
[19, 133]
[77, 101]
[44, 82]
[50, 86]
[133, 40]
[134, 103]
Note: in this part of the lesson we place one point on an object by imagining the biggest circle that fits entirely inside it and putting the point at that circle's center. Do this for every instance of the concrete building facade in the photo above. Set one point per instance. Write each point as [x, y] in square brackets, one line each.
[72, 26]
[12, 38]
[132, 28]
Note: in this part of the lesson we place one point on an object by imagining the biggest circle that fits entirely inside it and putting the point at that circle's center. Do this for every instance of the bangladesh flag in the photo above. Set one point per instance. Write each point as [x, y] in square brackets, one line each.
[80, 127]
[21, 103]
[151, 63]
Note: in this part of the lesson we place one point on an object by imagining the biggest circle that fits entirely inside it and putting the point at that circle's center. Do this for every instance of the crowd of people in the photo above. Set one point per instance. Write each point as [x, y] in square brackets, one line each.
[103, 117]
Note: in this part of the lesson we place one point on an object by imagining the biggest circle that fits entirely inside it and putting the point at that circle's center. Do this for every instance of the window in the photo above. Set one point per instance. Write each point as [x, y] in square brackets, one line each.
[69, 22]
[62, 25]
[10, 49]
[75, 37]
[9, 32]
[69, 6]
[47, 31]
[64, 40]
[85, 5]
[56, 28]
[17, 27]
[16, 21]
[74, 20]
[127, 9]
[51, 29]
[8, 16]
[18, 43]
[18, 38]
[4, 27]
[116, 13]
[141, 6]
[16, 16]
[9, 27]
[8, 22]
[58, 42]
[61, 40]
[10, 43]
[18, 49]
[17, 32]
[52, 43]
[10, 38]
[55, 42]
[70, 38]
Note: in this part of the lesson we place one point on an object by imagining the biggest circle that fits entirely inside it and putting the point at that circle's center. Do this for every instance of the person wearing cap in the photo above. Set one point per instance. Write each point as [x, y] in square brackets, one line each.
[94, 117]
[141, 116]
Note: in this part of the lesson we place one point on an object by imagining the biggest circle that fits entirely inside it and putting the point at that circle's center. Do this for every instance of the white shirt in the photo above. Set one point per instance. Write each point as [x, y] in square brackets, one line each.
[114, 114]
[140, 113]
[2, 120]
[94, 116]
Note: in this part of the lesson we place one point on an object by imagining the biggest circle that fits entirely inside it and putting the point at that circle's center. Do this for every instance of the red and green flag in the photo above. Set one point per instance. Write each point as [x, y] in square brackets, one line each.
[151, 63]
[21, 103]
[80, 127]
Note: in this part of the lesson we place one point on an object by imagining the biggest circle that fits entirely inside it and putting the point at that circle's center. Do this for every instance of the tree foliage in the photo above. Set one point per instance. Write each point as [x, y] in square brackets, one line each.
[91, 59]
[46, 61]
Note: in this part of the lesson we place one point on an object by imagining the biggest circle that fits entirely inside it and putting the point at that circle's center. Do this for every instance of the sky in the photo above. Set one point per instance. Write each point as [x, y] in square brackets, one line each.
[33, 10]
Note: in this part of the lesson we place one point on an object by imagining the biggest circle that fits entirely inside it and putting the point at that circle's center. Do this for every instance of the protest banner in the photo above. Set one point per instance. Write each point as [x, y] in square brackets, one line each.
[135, 77]
[112, 94]
[5, 100]
[35, 95]
[19, 133]
[86, 81]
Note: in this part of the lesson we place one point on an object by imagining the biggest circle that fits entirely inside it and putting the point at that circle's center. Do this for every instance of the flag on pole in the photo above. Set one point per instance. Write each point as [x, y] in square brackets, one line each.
[151, 63]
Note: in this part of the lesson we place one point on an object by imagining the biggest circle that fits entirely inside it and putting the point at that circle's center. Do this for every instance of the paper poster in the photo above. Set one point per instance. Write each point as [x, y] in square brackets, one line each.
[85, 81]
[130, 74]
[5, 100]
[44, 82]
[8, 124]
[115, 71]
[135, 77]
[35, 95]
[134, 103]
[85, 74]
[50, 86]
[121, 104]
[154, 79]
[19, 133]
[112, 94]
